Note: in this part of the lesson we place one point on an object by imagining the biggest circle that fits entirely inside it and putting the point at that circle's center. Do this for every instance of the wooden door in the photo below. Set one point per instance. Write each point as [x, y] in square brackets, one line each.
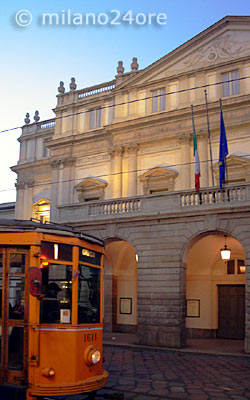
[231, 311]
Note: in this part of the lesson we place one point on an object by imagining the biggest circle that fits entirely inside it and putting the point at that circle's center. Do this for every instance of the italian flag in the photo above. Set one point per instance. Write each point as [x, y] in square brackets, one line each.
[196, 158]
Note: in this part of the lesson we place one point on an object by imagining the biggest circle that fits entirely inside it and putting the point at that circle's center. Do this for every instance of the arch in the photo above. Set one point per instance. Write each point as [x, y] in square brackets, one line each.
[208, 282]
[196, 236]
[120, 286]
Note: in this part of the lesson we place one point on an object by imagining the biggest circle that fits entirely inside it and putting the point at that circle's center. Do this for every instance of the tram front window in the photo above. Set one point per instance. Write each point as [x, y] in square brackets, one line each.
[88, 295]
[56, 305]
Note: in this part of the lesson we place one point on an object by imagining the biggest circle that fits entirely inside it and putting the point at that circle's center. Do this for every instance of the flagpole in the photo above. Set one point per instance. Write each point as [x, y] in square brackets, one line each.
[225, 158]
[196, 155]
[209, 139]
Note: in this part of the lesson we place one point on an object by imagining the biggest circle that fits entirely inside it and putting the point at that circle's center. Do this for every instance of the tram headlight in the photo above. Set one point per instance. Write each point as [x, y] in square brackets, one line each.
[95, 356]
[48, 372]
[92, 356]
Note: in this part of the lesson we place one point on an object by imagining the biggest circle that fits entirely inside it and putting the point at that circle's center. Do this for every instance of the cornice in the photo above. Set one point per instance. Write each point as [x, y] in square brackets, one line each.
[30, 165]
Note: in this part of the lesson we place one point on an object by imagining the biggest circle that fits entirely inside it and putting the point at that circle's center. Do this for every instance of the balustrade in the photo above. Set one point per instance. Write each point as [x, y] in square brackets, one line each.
[114, 207]
[214, 196]
[105, 87]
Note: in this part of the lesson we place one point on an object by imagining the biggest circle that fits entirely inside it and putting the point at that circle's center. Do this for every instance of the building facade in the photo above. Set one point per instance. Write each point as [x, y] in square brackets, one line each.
[117, 162]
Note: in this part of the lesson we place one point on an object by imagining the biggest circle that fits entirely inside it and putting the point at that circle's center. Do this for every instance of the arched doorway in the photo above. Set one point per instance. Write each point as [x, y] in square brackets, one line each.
[120, 287]
[215, 289]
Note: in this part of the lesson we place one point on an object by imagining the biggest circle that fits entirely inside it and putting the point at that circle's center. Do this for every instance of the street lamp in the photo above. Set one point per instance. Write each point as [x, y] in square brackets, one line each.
[225, 253]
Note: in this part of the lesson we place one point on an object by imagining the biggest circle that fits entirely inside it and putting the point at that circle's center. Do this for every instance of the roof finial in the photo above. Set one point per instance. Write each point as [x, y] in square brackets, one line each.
[61, 88]
[134, 65]
[120, 68]
[72, 85]
[36, 116]
[27, 119]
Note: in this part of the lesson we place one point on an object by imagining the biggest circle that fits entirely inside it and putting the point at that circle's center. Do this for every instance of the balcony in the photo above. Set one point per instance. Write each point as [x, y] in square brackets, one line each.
[215, 200]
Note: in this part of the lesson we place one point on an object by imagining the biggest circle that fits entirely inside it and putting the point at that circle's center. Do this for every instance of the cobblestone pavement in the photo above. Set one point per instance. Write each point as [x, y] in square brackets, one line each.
[144, 374]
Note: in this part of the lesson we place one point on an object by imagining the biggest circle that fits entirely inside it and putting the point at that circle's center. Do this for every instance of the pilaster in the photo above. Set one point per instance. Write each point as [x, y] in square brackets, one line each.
[185, 162]
[116, 171]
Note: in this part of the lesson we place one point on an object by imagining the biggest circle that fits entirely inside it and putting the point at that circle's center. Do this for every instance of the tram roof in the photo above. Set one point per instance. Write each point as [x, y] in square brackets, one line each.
[18, 225]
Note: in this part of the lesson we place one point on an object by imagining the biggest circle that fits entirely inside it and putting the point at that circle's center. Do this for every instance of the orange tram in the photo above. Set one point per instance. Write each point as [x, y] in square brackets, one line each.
[50, 312]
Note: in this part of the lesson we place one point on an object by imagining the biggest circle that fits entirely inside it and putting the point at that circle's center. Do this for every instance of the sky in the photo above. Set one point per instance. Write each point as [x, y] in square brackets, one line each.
[38, 52]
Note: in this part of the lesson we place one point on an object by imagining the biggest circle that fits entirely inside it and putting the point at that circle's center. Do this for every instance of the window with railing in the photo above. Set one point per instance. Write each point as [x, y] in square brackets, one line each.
[230, 83]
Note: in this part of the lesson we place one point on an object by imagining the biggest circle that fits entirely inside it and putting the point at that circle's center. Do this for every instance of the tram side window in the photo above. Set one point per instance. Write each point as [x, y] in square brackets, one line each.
[88, 295]
[56, 305]
[16, 297]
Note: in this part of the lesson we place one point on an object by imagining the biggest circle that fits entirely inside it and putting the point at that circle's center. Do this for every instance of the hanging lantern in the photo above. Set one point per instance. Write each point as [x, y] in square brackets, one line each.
[225, 253]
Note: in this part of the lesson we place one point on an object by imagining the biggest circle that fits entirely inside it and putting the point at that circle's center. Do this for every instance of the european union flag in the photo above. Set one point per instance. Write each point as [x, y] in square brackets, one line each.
[223, 149]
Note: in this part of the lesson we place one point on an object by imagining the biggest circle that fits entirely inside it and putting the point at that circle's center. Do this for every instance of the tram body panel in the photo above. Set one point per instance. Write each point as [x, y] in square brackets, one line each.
[74, 348]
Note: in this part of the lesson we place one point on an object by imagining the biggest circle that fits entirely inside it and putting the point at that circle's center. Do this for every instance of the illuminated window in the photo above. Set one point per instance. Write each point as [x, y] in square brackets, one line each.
[42, 210]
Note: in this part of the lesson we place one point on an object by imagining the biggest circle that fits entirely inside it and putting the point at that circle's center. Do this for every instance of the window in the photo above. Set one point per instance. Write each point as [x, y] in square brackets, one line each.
[158, 100]
[45, 150]
[56, 305]
[236, 267]
[88, 294]
[91, 189]
[95, 118]
[159, 179]
[230, 83]
[42, 210]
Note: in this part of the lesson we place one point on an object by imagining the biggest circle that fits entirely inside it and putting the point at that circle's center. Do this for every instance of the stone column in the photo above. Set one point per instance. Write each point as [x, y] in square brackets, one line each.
[24, 199]
[20, 185]
[116, 171]
[129, 171]
[185, 162]
[202, 143]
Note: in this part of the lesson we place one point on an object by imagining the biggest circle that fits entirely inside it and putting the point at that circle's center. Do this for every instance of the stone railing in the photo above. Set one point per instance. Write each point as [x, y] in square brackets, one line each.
[214, 196]
[114, 207]
[97, 89]
[170, 203]
[47, 124]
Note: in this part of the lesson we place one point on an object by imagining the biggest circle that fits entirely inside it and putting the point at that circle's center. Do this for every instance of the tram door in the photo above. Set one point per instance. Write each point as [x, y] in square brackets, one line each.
[13, 315]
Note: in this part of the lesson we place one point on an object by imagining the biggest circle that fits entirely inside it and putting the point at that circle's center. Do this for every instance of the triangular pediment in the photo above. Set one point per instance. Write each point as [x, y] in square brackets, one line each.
[91, 183]
[236, 160]
[159, 172]
[227, 40]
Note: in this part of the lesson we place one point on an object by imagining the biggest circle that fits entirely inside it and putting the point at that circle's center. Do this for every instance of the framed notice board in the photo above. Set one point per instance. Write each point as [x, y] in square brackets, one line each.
[193, 308]
[125, 305]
